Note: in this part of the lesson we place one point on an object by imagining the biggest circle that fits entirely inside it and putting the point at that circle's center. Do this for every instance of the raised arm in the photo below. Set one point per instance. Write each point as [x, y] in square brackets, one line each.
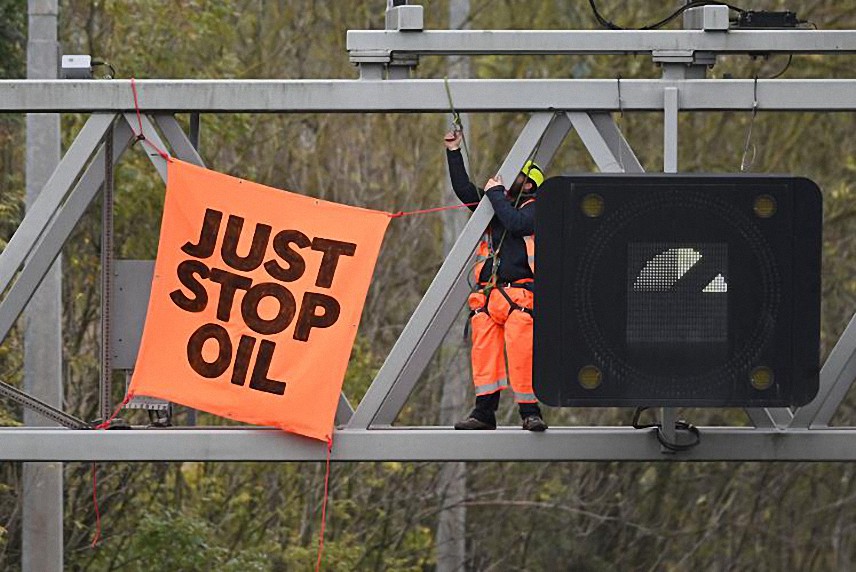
[519, 222]
[461, 184]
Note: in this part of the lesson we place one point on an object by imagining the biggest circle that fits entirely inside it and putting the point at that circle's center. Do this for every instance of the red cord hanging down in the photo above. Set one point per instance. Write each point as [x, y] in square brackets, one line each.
[103, 425]
[142, 136]
[106, 423]
[97, 536]
[324, 506]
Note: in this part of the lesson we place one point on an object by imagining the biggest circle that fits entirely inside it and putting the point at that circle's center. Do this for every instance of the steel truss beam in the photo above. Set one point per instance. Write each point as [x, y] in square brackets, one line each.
[48, 224]
[408, 359]
[443, 301]
[42, 233]
[769, 418]
[422, 444]
[836, 377]
[378, 43]
[423, 95]
[46, 227]
[38, 216]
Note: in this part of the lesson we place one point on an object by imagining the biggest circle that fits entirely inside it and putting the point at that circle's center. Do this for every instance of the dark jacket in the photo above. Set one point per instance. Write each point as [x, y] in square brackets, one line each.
[520, 222]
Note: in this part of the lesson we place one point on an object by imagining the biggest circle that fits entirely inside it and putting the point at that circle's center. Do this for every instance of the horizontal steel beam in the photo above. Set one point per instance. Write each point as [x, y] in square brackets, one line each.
[422, 444]
[584, 42]
[422, 95]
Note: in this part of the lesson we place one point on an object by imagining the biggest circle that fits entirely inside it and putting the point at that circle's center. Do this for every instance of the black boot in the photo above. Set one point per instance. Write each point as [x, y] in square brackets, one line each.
[483, 416]
[474, 423]
[530, 413]
[534, 423]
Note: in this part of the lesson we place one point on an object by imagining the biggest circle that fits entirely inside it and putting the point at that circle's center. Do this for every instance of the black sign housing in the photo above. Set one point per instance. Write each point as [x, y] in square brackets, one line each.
[677, 290]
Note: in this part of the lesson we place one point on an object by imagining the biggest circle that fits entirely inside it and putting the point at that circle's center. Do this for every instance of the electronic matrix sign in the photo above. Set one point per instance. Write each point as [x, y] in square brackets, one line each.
[677, 290]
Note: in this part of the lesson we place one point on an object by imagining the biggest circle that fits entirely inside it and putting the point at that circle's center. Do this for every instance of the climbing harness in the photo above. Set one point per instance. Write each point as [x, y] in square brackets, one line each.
[512, 306]
[494, 252]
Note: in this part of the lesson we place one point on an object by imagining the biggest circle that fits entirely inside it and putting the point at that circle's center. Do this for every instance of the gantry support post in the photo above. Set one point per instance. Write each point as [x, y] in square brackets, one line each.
[53, 224]
[42, 483]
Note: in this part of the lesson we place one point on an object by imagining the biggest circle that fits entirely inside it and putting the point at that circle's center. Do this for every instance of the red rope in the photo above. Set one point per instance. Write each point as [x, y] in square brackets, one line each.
[142, 136]
[97, 537]
[324, 506]
[106, 423]
[433, 210]
[137, 106]
[103, 425]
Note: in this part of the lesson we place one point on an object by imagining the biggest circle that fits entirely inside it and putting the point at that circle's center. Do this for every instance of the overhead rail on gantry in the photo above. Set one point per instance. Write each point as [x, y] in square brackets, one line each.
[556, 107]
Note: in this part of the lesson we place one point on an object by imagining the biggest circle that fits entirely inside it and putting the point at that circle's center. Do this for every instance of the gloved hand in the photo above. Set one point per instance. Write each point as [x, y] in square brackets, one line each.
[494, 181]
[452, 140]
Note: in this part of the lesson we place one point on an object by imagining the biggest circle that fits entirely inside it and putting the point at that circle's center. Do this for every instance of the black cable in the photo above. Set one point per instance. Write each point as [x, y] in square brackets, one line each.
[680, 425]
[601, 20]
[695, 4]
[784, 69]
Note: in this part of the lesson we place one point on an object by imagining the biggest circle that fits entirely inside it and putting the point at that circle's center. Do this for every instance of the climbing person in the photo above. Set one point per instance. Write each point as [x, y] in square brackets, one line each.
[501, 305]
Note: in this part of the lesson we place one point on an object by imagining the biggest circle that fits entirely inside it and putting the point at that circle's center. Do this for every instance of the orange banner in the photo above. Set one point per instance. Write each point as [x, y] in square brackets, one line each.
[255, 301]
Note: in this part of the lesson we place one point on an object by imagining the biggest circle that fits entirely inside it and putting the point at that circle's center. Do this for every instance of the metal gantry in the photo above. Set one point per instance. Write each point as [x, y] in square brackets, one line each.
[556, 107]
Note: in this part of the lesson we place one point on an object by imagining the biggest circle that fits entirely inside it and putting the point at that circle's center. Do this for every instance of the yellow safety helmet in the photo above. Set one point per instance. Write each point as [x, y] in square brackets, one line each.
[533, 171]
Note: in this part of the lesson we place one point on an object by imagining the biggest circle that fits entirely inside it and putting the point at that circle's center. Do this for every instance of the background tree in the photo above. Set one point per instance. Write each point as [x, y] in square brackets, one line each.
[383, 516]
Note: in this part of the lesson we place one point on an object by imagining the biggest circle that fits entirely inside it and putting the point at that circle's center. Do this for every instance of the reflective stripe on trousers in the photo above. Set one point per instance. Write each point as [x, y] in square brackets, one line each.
[489, 388]
[497, 334]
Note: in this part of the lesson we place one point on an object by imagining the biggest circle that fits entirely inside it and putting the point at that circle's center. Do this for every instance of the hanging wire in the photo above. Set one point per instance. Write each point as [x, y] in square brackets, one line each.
[784, 69]
[456, 121]
[620, 125]
[459, 126]
[659, 24]
[744, 164]
[680, 425]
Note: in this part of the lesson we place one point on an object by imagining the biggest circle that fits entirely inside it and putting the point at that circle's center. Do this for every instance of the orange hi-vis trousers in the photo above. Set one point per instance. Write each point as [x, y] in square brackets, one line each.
[496, 326]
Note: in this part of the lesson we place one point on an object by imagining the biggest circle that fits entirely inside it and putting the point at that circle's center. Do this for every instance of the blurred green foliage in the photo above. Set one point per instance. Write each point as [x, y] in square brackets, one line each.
[382, 516]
